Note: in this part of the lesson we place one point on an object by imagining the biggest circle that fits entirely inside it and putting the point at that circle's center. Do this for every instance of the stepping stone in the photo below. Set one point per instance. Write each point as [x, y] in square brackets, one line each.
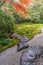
[22, 45]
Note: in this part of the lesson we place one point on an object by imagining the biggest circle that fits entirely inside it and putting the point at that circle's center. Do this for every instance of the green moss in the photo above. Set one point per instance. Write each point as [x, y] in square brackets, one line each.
[28, 29]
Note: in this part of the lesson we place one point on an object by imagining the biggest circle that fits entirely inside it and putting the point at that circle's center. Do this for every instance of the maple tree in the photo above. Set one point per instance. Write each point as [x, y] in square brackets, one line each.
[25, 2]
[21, 6]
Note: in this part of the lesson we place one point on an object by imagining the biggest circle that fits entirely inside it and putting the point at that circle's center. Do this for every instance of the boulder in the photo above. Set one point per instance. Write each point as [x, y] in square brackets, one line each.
[22, 45]
[28, 63]
[38, 49]
[15, 35]
[30, 55]
[21, 38]
[24, 39]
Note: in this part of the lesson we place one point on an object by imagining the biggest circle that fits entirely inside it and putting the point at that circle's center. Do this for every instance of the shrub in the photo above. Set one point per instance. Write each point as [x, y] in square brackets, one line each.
[18, 18]
[4, 41]
[6, 24]
[27, 29]
[36, 13]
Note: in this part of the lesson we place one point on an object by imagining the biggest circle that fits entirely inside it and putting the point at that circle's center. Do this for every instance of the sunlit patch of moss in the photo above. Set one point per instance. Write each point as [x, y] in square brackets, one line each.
[28, 29]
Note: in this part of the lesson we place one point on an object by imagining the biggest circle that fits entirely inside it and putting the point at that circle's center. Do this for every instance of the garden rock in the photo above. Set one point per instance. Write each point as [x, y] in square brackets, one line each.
[28, 63]
[15, 35]
[22, 45]
[38, 49]
[30, 55]
[21, 38]
[24, 39]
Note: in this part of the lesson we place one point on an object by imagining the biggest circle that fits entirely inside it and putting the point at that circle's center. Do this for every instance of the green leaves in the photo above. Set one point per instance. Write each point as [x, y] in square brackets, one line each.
[6, 24]
[36, 12]
[4, 41]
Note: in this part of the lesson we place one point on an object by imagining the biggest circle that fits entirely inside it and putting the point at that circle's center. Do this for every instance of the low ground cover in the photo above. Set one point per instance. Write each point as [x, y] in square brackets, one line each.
[28, 29]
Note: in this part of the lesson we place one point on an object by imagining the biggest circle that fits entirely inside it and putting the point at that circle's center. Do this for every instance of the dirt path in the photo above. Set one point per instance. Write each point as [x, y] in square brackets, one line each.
[12, 57]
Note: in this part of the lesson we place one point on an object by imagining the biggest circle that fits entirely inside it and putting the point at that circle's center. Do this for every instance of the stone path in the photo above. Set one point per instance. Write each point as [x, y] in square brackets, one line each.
[12, 57]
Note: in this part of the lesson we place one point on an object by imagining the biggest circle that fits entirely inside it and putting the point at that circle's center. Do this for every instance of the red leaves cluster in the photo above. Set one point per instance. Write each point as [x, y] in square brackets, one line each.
[19, 6]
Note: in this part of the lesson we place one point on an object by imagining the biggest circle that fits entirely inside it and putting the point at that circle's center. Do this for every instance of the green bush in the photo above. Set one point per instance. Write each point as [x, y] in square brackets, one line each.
[30, 32]
[6, 24]
[4, 41]
[18, 18]
[36, 13]
[7, 43]
[27, 29]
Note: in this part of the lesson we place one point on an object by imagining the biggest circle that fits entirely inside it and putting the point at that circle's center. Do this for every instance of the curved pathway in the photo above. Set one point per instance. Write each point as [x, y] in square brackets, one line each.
[12, 57]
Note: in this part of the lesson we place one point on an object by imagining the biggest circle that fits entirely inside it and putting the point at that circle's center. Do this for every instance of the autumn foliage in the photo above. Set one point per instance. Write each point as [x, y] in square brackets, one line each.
[21, 6]
[26, 2]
